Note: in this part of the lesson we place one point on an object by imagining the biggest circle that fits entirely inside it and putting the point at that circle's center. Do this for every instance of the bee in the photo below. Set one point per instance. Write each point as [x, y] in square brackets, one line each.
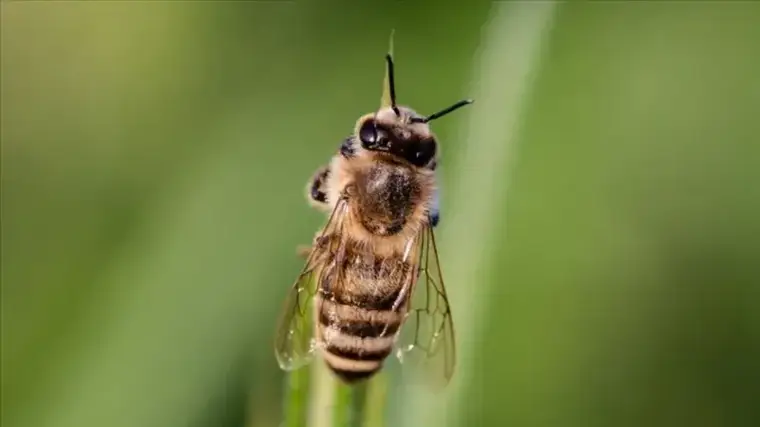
[372, 272]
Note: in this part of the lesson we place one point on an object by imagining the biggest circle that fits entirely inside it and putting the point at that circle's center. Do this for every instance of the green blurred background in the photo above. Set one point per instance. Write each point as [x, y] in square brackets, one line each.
[600, 231]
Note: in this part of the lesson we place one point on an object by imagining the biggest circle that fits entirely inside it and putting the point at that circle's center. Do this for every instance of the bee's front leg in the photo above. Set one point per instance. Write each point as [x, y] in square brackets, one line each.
[316, 189]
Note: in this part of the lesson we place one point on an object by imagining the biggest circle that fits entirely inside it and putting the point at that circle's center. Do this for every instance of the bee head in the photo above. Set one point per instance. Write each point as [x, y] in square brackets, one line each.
[384, 131]
[401, 131]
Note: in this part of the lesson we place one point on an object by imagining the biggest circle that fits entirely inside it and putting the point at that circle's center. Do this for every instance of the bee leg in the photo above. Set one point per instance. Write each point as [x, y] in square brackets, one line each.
[319, 242]
[435, 209]
[303, 251]
[435, 218]
[347, 149]
[316, 191]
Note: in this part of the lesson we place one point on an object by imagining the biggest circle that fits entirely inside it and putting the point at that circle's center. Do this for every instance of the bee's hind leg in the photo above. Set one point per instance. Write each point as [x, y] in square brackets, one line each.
[434, 214]
[316, 188]
[304, 251]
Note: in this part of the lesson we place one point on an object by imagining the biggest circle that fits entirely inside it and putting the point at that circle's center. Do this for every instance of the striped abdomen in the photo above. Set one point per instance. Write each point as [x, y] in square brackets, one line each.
[356, 322]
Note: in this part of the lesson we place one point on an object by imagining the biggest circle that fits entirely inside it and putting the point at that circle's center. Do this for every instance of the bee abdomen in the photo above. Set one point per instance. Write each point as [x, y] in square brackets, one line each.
[376, 355]
[355, 348]
[363, 328]
[366, 301]
[352, 376]
[352, 358]
[355, 340]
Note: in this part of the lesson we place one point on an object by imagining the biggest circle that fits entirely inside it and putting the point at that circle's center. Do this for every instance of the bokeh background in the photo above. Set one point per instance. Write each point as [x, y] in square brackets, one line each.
[600, 232]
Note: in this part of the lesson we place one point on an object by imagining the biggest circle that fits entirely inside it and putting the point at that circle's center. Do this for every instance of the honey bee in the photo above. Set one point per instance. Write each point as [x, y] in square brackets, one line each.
[373, 267]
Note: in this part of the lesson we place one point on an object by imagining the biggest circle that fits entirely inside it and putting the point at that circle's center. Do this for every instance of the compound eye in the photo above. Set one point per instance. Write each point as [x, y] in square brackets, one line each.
[425, 152]
[370, 136]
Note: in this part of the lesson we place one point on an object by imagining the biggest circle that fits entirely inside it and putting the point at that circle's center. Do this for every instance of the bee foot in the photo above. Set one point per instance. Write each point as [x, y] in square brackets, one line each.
[303, 250]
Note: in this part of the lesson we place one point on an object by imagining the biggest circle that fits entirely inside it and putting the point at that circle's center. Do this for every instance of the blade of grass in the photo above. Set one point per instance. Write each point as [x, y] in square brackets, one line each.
[508, 58]
[297, 384]
[334, 403]
[322, 396]
[385, 101]
[297, 389]
[349, 405]
[342, 414]
[358, 403]
[376, 398]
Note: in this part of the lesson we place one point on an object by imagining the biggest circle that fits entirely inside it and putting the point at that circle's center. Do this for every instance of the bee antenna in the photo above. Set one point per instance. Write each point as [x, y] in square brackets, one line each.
[391, 83]
[445, 111]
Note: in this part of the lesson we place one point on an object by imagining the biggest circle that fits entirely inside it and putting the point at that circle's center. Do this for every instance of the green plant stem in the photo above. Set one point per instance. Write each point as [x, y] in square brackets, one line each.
[374, 401]
[385, 100]
[313, 395]
[342, 411]
[322, 405]
[297, 385]
[350, 405]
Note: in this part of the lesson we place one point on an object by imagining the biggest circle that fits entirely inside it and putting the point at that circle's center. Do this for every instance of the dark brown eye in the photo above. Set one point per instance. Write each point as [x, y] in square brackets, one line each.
[370, 136]
[423, 152]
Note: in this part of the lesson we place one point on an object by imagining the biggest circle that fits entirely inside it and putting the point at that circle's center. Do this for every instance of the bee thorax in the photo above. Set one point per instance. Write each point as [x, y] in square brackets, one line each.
[386, 197]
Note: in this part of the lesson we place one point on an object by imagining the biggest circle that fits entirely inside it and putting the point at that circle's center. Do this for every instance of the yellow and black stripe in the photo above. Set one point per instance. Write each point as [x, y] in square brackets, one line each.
[358, 328]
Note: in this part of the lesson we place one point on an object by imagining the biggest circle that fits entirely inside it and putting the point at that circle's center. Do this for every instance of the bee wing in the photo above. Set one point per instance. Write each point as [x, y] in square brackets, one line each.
[427, 337]
[294, 337]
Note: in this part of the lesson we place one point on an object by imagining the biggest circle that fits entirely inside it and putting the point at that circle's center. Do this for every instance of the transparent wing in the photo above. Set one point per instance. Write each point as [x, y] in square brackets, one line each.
[294, 337]
[427, 337]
